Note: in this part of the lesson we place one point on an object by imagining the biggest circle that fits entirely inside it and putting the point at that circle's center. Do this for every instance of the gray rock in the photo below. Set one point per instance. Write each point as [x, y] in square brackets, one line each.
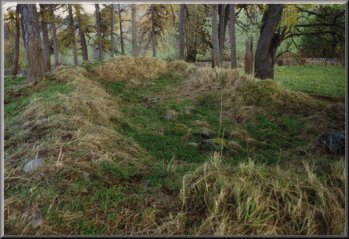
[334, 142]
[32, 165]
[37, 221]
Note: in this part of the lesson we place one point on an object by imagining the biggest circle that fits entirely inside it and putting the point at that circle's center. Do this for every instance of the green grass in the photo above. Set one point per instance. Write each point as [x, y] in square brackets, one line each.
[15, 104]
[116, 170]
[165, 140]
[87, 228]
[322, 80]
[275, 137]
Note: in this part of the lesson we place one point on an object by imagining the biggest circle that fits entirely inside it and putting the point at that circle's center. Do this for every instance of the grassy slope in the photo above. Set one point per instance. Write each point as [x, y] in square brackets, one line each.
[164, 140]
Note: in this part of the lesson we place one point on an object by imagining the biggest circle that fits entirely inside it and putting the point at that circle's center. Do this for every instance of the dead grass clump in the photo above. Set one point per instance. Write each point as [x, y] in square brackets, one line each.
[206, 76]
[178, 68]
[205, 80]
[257, 200]
[66, 73]
[132, 68]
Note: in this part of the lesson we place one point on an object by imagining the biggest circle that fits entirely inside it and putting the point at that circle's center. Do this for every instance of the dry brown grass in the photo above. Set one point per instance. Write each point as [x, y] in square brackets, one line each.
[73, 134]
[140, 69]
[256, 200]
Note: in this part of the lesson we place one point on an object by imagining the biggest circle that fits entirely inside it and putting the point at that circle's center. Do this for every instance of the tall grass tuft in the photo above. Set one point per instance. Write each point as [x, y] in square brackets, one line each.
[257, 200]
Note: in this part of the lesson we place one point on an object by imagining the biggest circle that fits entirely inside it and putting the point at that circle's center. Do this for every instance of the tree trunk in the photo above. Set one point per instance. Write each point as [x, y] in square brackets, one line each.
[221, 30]
[45, 39]
[232, 36]
[72, 34]
[215, 42]
[98, 22]
[121, 33]
[134, 31]
[153, 36]
[83, 45]
[249, 56]
[268, 42]
[191, 53]
[32, 42]
[112, 30]
[54, 35]
[15, 52]
[181, 30]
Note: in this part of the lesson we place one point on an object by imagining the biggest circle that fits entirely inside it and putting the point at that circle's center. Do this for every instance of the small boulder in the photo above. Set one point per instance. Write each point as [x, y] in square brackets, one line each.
[334, 142]
[32, 165]
[37, 221]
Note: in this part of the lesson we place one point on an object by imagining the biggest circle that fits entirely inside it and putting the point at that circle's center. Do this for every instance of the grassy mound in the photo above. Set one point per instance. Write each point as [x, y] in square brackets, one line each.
[255, 200]
[75, 135]
[139, 68]
[244, 98]
[247, 98]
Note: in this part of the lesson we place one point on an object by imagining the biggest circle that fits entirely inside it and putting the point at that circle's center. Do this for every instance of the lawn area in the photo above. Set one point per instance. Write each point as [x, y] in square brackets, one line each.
[322, 80]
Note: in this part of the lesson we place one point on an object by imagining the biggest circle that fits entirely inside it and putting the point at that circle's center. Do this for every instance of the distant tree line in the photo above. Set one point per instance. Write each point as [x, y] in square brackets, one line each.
[200, 28]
